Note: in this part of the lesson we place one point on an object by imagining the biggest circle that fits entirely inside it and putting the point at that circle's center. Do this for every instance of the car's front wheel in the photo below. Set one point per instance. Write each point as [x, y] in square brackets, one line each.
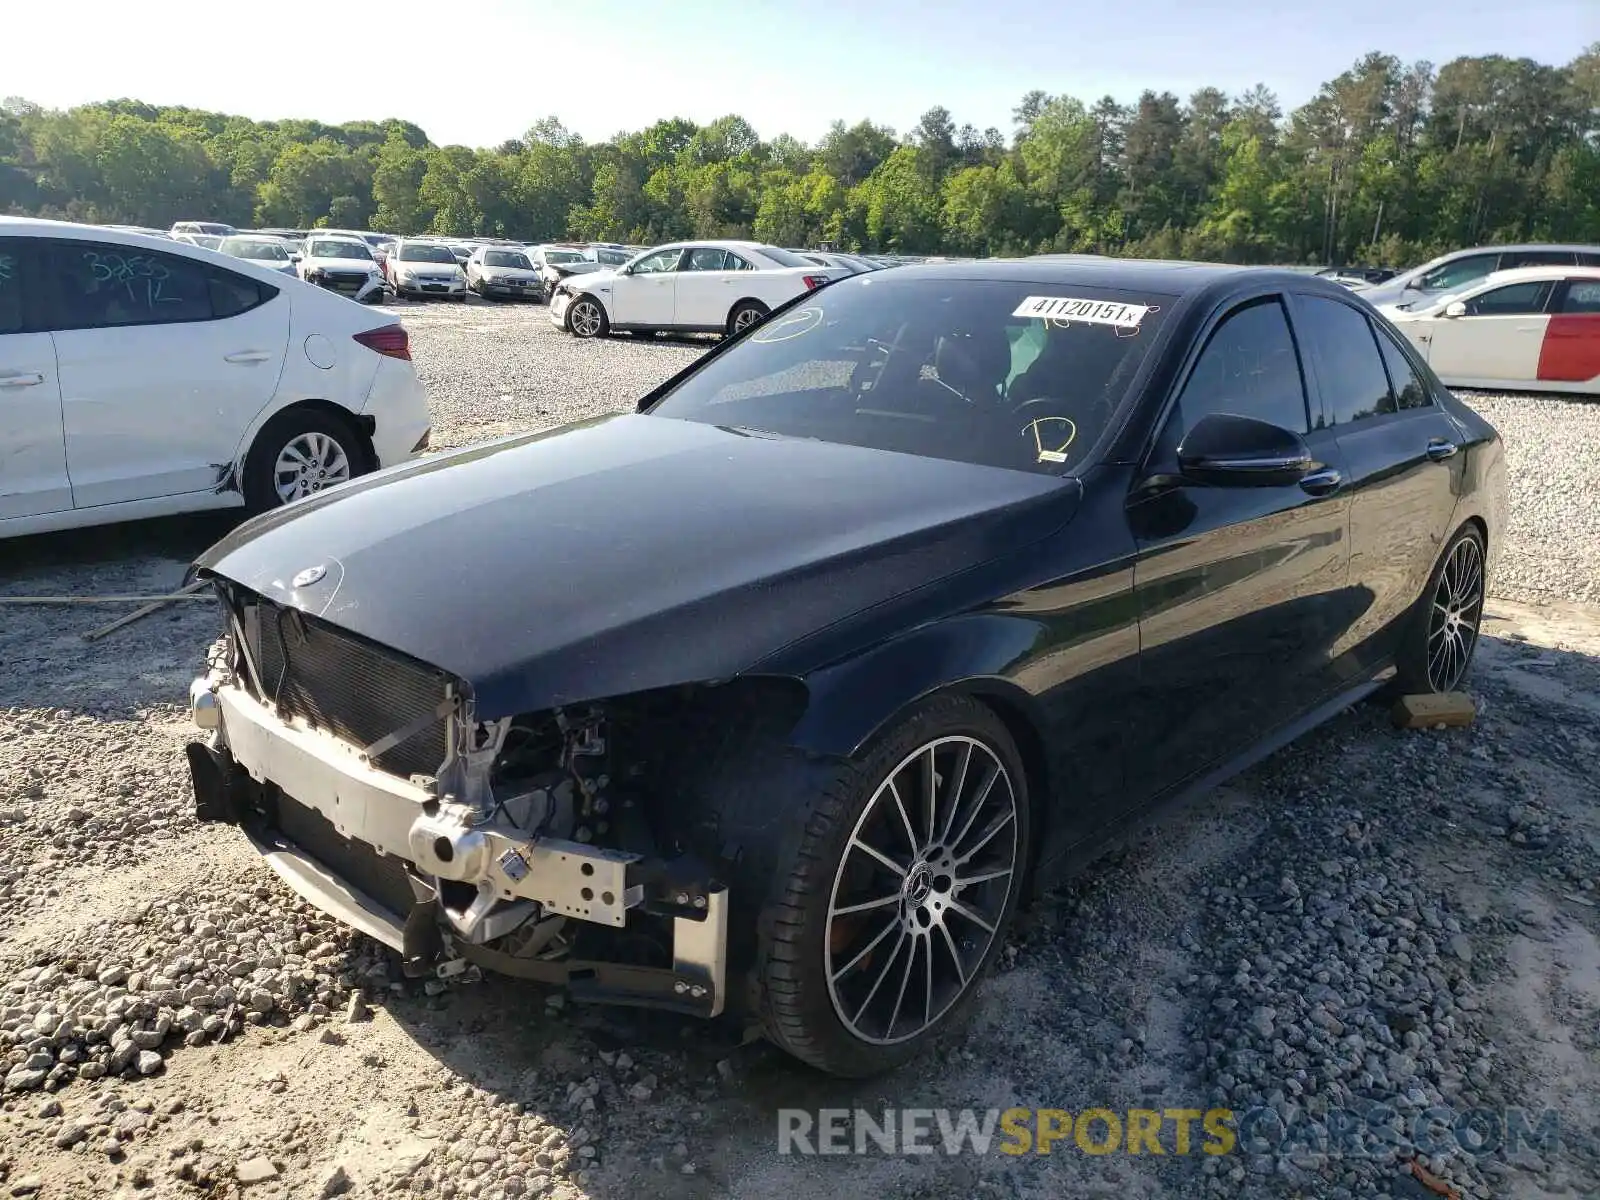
[586, 319]
[898, 895]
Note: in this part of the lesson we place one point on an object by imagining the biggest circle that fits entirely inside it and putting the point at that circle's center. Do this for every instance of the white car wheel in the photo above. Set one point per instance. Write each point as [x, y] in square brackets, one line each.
[586, 318]
[308, 463]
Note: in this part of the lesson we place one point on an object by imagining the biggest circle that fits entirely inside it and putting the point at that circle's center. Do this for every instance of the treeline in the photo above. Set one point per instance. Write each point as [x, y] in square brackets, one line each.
[1387, 164]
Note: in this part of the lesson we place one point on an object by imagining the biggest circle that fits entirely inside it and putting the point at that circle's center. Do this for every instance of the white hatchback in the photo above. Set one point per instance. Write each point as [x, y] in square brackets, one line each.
[142, 377]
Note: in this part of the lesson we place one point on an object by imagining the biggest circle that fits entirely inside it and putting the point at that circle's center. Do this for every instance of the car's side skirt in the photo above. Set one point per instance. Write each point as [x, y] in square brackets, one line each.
[615, 328]
[1131, 827]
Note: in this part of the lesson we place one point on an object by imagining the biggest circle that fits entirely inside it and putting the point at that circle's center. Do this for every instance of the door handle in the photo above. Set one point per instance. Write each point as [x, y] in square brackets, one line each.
[1322, 483]
[1440, 449]
[21, 379]
[247, 356]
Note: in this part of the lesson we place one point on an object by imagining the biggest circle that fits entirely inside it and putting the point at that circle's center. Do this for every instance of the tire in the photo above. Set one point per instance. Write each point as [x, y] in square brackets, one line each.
[598, 327]
[302, 426]
[1441, 633]
[744, 314]
[822, 977]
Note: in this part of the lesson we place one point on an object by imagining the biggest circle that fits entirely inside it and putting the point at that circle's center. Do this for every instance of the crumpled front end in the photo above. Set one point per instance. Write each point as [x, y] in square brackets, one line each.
[367, 783]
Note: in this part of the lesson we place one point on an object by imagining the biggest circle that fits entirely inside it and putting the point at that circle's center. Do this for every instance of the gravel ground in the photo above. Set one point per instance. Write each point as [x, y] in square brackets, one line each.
[1370, 918]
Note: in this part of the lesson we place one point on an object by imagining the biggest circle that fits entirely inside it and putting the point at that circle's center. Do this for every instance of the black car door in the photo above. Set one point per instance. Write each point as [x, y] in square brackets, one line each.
[1402, 463]
[1241, 589]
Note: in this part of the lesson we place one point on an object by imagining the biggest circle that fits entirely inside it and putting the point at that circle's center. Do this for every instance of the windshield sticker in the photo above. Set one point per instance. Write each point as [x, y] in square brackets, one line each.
[791, 326]
[1052, 442]
[1092, 312]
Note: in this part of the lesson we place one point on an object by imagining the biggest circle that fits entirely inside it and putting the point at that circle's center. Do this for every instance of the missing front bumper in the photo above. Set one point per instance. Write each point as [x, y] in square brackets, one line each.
[379, 854]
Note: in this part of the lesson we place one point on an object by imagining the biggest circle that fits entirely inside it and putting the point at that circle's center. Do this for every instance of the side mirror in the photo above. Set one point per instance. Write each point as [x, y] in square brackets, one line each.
[1224, 450]
[1456, 308]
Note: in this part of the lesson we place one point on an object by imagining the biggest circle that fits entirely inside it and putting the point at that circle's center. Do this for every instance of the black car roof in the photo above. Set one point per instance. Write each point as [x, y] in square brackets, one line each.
[1173, 277]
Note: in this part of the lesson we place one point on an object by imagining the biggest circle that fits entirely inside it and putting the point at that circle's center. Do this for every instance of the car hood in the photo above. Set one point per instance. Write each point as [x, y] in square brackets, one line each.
[600, 279]
[629, 552]
[509, 273]
[413, 267]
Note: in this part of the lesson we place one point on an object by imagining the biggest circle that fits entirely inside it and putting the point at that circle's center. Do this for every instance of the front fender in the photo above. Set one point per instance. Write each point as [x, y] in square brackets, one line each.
[853, 700]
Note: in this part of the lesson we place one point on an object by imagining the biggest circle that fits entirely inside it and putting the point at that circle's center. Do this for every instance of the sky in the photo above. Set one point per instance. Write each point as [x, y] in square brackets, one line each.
[477, 72]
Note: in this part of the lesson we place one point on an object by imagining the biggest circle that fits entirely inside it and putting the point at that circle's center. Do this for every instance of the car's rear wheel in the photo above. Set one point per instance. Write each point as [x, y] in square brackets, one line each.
[299, 453]
[745, 314]
[1437, 647]
[586, 319]
[899, 893]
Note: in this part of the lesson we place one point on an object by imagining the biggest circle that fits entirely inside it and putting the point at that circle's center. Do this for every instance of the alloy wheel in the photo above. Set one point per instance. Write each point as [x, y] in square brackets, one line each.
[309, 463]
[745, 318]
[1455, 615]
[585, 318]
[921, 889]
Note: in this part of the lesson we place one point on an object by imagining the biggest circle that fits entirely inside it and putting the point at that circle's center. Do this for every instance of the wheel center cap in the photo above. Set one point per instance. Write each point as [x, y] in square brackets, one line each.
[919, 883]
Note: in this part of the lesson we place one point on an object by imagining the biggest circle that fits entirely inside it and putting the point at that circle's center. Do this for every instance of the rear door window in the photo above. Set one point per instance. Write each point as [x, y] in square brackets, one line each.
[1350, 367]
[1582, 296]
[707, 258]
[102, 286]
[1404, 384]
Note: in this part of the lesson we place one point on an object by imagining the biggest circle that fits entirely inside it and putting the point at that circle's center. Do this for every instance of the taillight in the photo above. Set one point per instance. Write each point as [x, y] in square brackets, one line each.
[389, 340]
[813, 282]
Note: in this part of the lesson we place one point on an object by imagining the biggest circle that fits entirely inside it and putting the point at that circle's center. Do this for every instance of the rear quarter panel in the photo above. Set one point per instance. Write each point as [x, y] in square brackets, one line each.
[323, 324]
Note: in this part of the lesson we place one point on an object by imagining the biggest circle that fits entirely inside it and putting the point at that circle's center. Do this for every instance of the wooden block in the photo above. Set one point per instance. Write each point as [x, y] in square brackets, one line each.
[1425, 711]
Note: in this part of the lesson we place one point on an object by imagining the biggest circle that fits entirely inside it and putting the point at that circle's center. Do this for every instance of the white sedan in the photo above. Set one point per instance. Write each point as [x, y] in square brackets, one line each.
[269, 252]
[143, 377]
[344, 264]
[1531, 329]
[689, 287]
[418, 267]
[503, 271]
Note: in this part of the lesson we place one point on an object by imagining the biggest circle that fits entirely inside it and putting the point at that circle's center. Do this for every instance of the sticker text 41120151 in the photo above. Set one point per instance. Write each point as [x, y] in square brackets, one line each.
[1094, 312]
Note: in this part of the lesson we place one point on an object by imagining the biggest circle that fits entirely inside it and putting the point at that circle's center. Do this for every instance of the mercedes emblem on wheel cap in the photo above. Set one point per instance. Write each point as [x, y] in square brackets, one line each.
[309, 576]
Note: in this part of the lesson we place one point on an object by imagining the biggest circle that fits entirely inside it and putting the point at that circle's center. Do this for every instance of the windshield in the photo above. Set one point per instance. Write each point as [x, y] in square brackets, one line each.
[326, 248]
[1458, 273]
[563, 256]
[935, 367]
[255, 248]
[612, 258]
[506, 258]
[430, 254]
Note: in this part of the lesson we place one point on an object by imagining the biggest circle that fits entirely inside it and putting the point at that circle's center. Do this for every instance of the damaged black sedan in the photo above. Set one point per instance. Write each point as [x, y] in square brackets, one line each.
[776, 696]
